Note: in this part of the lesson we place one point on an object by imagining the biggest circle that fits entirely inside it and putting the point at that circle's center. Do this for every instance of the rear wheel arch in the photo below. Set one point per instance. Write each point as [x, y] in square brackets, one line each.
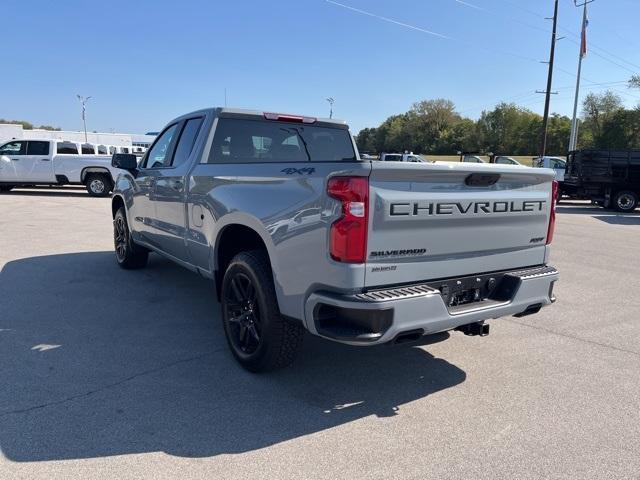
[231, 240]
[102, 170]
[116, 202]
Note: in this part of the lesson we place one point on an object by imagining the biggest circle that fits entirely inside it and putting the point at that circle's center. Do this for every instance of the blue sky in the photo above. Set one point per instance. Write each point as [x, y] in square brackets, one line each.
[145, 62]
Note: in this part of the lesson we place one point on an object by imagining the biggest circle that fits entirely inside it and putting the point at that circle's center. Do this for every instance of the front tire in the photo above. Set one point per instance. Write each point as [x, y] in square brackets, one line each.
[625, 201]
[128, 255]
[98, 184]
[259, 337]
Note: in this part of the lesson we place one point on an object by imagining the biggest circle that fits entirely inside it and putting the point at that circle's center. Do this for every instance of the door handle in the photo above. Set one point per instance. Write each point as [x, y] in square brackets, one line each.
[45, 159]
[15, 159]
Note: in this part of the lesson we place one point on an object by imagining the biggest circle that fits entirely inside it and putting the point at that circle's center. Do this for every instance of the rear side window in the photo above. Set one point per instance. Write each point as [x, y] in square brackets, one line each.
[88, 149]
[250, 141]
[112, 150]
[67, 148]
[38, 148]
[186, 141]
[102, 150]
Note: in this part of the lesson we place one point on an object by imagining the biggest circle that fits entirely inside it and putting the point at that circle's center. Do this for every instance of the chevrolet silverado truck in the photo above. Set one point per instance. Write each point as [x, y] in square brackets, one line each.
[55, 162]
[299, 233]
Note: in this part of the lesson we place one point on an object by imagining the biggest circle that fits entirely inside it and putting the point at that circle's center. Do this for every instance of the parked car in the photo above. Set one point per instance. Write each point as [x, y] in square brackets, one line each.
[472, 159]
[55, 162]
[503, 160]
[610, 178]
[557, 164]
[402, 157]
[374, 252]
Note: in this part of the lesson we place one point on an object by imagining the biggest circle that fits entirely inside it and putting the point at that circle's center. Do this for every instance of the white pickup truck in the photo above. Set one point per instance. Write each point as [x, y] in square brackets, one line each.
[54, 162]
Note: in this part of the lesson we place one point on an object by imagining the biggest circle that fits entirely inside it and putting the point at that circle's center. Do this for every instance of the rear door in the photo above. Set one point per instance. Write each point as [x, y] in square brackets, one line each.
[39, 159]
[436, 221]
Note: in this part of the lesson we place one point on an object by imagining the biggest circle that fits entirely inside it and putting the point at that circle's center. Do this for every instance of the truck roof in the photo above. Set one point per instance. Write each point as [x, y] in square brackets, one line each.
[245, 113]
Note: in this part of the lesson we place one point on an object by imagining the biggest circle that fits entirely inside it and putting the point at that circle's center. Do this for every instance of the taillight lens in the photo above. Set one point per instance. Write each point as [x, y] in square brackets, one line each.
[348, 236]
[555, 190]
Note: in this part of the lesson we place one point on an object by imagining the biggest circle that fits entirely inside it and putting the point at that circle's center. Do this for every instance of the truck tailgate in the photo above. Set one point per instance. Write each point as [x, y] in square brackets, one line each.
[440, 221]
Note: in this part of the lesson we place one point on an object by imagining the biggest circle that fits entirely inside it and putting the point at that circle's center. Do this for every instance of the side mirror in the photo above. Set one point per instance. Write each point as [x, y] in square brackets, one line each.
[124, 161]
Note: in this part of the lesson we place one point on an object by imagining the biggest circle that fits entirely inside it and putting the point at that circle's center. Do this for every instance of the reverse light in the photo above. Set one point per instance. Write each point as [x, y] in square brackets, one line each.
[555, 190]
[348, 234]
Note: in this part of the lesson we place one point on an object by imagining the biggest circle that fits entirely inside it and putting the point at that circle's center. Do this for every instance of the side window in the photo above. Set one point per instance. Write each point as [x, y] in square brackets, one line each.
[14, 148]
[102, 150]
[38, 148]
[112, 150]
[88, 149]
[125, 149]
[67, 148]
[159, 153]
[187, 140]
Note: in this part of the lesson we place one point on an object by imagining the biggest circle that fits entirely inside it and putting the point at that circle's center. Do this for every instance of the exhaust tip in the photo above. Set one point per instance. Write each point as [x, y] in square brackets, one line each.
[409, 336]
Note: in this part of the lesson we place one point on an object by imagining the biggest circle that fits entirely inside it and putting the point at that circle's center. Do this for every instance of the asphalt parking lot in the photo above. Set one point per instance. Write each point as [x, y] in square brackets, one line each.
[106, 373]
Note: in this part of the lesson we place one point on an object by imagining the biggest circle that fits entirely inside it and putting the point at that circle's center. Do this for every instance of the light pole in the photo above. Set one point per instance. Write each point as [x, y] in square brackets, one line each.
[573, 141]
[83, 101]
[330, 100]
[547, 101]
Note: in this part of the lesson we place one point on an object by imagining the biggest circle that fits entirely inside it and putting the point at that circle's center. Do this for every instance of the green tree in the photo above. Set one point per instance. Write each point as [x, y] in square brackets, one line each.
[26, 125]
[620, 130]
[558, 133]
[509, 129]
[597, 108]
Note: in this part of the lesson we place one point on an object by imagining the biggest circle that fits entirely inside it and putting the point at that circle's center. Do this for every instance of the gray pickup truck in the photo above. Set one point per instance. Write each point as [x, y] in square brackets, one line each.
[299, 233]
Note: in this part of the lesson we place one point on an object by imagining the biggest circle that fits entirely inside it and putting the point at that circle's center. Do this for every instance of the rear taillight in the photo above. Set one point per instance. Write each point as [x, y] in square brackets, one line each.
[552, 215]
[348, 236]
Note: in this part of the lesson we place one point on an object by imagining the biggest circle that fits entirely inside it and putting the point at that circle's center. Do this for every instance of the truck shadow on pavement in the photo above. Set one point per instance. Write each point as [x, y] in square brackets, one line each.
[96, 361]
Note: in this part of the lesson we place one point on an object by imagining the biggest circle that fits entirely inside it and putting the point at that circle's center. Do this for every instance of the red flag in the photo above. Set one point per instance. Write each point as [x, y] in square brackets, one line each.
[583, 42]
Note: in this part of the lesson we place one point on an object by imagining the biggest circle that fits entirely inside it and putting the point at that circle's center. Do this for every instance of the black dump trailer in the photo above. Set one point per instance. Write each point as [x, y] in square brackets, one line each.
[610, 178]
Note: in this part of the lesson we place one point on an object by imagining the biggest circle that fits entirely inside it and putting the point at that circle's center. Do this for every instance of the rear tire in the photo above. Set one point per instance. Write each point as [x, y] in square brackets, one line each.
[625, 201]
[128, 255]
[98, 184]
[259, 337]
[6, 188]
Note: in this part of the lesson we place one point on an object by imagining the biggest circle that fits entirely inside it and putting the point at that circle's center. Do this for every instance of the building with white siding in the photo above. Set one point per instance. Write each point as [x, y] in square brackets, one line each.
[17, 132]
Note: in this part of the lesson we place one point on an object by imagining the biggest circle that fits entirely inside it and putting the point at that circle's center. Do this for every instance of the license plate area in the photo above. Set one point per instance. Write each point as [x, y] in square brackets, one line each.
[475, 289]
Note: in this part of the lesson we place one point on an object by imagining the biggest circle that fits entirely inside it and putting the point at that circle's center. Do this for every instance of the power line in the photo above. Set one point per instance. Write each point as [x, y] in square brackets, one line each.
[430, 32]
[387, 19]
[573, 34]
[596, 47]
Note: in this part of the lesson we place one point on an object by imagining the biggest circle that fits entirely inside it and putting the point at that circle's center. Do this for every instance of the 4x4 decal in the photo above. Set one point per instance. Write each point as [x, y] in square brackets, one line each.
[299, 171]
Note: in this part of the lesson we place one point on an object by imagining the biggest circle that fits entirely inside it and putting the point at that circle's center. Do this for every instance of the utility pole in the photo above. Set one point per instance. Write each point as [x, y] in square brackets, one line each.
[330, 100]
[83, 101]
[545, 118]
[573, 141]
